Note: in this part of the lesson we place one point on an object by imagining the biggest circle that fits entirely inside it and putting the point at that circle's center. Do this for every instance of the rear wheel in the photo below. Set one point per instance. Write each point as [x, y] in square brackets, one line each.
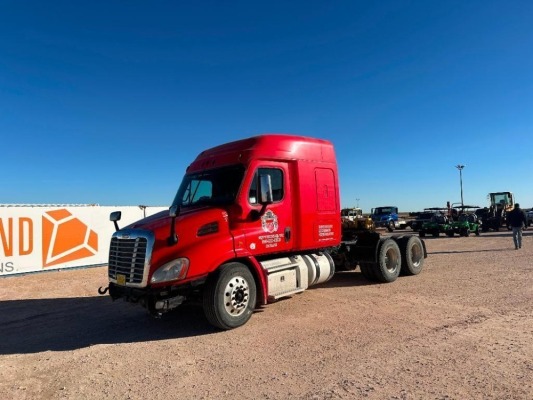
[412, 253]
[229, 296]
[389, 262]
[367, 271]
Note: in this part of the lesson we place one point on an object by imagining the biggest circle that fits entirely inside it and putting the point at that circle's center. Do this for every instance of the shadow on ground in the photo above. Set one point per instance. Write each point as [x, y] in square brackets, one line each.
[62, 324]
[31, 326]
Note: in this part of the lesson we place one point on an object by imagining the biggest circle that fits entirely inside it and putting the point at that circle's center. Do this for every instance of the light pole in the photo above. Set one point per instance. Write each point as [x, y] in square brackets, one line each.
[460, 168]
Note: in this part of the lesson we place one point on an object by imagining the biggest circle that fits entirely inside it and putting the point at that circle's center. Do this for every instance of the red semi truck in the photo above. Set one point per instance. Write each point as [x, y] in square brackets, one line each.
[253, 221]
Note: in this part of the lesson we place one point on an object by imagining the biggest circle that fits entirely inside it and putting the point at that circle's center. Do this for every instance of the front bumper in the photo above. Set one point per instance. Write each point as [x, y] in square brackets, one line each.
[382, 224]
[156, 300]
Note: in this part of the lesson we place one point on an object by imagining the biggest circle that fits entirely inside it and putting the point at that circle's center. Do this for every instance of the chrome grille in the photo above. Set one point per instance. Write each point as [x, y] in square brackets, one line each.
[128, 257]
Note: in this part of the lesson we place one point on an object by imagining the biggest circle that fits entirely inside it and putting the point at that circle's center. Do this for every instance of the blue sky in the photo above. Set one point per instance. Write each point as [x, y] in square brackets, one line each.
[108, 101]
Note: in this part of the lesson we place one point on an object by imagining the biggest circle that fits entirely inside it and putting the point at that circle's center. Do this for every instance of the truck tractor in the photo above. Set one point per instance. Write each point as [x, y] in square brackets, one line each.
[253, 221]
[387, 217]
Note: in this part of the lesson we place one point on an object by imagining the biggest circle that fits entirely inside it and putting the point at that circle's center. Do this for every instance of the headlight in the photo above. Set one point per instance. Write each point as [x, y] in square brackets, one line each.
[175, 270]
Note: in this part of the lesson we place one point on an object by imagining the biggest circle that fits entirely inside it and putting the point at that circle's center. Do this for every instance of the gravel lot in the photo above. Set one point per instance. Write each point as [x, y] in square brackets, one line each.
[462, 329]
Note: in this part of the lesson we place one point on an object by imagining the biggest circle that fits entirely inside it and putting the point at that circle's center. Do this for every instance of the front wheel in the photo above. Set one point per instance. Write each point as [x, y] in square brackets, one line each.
[390, 226]
[229, 296]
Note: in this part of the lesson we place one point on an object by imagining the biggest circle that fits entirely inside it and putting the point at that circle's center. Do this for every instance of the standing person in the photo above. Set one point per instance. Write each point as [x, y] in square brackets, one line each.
[517, 220]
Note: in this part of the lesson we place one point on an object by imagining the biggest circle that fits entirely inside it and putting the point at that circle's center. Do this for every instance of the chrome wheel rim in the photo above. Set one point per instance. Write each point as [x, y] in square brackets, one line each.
[236, 296]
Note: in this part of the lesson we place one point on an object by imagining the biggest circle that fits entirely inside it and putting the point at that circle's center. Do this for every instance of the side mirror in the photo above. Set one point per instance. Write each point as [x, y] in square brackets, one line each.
[115, 216]
[265, 190]
[173, 211]
[265, 196]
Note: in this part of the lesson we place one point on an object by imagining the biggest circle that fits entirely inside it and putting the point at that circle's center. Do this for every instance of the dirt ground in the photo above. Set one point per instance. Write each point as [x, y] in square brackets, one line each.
[462, 329]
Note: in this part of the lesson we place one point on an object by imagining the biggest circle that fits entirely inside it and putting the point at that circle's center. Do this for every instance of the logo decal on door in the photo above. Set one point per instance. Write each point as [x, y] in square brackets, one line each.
[269, 222]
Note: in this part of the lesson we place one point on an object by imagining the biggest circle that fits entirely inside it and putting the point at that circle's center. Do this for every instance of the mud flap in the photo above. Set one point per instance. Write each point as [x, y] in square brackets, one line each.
[365, 249]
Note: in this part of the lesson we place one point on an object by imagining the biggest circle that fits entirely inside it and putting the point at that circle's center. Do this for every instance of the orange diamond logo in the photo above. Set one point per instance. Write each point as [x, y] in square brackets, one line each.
[66, 238]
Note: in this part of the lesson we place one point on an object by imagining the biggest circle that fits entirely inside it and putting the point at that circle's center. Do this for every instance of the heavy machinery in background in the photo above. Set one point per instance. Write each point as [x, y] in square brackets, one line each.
[429, 215]
[495, 216]
[437, 224]
[467, 222]
[353, 220]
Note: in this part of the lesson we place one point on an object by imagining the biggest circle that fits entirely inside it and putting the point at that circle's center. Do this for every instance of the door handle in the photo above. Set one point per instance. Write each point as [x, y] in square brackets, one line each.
[287, 234]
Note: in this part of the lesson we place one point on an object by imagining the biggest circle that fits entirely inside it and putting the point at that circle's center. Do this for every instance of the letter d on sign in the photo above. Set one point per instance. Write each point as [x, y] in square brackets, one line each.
[25, 236]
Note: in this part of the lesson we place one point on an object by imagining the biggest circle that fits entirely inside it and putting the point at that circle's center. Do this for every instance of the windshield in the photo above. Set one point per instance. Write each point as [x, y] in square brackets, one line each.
[213, 187]
[384, 210]
[501, 198]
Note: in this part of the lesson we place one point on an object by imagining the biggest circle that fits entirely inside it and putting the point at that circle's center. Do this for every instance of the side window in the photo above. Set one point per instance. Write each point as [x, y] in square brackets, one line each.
[276, 176]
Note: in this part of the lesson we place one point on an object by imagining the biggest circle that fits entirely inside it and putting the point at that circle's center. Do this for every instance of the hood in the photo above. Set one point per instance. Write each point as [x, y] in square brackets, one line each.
[193, 227]
[188, 224]
[151, 222]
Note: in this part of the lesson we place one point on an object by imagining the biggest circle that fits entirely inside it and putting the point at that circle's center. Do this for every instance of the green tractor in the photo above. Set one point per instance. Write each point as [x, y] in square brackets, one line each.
[438, 224]
[466, 223]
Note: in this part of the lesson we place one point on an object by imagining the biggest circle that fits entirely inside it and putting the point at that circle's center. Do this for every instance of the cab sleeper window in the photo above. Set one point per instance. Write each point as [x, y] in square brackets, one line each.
[276, 177]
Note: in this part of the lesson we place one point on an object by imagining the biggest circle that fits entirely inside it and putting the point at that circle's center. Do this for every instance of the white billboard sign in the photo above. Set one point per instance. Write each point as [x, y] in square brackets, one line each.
[47, 237]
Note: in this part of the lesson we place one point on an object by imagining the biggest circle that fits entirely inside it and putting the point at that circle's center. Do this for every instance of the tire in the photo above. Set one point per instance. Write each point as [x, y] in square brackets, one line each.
[389, 262]
[477, 231]
[367, 271]
[390, 226]
[229, 296]
[435, 233]
[412, 253]
[449, 233]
